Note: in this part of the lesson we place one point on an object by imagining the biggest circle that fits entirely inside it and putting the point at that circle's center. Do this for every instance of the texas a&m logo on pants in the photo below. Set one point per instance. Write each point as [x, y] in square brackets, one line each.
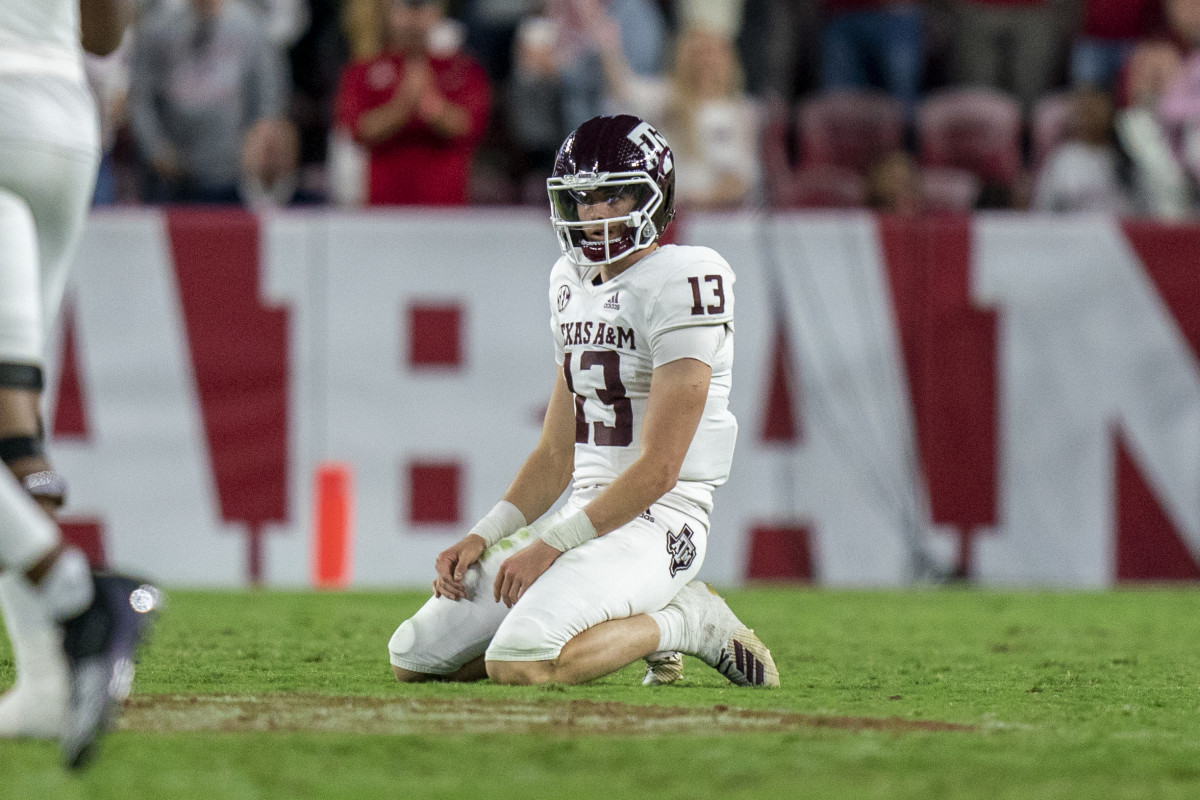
[681, 548]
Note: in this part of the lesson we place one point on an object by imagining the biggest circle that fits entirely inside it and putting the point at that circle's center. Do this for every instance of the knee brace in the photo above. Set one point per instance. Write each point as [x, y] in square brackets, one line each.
[414, 646]
[523, 637]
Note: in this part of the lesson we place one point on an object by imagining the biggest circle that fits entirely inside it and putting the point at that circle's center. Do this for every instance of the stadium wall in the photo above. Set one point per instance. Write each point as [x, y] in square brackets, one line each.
[1013, 398]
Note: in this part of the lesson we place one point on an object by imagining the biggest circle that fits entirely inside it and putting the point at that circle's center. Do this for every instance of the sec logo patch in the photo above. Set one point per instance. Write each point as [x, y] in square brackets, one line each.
[564, 296]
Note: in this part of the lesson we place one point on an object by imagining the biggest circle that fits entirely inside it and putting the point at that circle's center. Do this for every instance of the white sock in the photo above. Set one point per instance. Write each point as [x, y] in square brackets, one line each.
[66, 588]
[35, 704]
[671, 627]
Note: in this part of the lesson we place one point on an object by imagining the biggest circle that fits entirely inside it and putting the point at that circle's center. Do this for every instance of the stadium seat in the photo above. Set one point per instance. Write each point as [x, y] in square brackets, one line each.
[850, 128]
[1049, 125]
[946, 189]
[978, 130]
[826, 186]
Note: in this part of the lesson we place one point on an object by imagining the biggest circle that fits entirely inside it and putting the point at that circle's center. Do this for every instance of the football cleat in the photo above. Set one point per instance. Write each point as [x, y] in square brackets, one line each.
[718, 638]
[663, 668]
[101, 646]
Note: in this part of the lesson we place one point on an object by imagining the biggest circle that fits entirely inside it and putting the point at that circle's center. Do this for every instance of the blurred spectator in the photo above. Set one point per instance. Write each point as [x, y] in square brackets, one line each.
[701, 109]
[203, 76]
[1085, 172]
[1159, 183]
[894, 185]
[779, 46]
[108, 77]
[285, 21]
[874, 44]
[643, 35]
[1010, 45]
[491, 26]
[1179, 111]
[270, 158]
[419, 107]
[1183, 20]
[316, 62]
[1108, 34]
[535, 125]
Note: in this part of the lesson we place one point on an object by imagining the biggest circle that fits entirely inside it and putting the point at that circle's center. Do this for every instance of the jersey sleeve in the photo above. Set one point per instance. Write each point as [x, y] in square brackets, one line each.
[701, 342]
[556, 334]
[695, 296]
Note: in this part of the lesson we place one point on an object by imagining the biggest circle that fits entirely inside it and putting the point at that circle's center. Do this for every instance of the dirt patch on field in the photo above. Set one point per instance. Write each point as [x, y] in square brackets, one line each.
[174, 713]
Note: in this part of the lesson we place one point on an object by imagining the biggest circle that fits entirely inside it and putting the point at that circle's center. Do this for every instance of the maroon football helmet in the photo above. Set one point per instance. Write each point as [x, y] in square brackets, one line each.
[610, 161]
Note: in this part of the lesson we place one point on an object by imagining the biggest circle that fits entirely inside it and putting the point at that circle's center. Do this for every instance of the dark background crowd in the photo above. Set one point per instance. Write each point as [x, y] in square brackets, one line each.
[907, 106]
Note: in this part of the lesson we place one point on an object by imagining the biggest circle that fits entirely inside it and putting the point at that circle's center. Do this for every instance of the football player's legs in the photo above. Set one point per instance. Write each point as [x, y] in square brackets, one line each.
[43, 205]
[34, 706]
[586, 616]
[446, 639]
[21, 326]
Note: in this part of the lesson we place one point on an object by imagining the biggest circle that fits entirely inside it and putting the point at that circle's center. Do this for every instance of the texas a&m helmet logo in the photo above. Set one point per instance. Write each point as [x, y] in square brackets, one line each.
[653, 146]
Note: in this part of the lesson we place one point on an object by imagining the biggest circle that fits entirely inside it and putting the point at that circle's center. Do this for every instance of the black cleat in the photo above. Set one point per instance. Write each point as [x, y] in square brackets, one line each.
[101, 647]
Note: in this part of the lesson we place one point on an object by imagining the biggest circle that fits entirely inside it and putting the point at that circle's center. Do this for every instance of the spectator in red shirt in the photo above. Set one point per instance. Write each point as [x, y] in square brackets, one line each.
[419, 108]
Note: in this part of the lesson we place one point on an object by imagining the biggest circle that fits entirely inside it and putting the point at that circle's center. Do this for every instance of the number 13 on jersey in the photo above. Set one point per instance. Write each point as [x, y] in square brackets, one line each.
[619, 434]
[715, 288]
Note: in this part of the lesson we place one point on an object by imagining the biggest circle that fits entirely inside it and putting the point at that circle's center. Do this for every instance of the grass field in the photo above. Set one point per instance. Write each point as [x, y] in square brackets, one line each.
[922, 694]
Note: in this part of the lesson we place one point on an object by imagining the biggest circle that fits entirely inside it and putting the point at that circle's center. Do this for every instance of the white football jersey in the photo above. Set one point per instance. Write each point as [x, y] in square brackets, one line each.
[610, 336]
[40, 37]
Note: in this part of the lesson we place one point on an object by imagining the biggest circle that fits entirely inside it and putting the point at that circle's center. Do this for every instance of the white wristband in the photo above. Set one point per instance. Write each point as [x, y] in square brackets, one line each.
[571, 532]
[502, 521]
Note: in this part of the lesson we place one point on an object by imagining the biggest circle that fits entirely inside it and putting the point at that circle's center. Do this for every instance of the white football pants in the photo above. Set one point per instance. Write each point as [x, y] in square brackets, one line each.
[48, 159]
[636, 569]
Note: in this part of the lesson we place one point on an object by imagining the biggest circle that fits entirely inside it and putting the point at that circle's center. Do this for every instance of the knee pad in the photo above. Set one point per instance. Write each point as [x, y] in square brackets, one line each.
[426, 644]
[403, 641]
[523, 637]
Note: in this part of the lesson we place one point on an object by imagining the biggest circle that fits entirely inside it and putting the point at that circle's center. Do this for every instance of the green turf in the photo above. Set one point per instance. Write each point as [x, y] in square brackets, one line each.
[1070, 695]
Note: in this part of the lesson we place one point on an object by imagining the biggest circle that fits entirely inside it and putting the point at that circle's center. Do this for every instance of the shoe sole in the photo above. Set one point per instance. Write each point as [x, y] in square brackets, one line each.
[746, 661]
[101, 682]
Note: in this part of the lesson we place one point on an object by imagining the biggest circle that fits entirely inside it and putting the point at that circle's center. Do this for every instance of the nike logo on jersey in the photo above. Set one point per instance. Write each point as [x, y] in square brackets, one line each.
[597, 333]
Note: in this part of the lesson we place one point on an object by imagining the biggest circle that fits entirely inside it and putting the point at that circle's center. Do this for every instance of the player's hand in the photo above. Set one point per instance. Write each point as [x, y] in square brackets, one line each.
[452, 563]
[520, 570]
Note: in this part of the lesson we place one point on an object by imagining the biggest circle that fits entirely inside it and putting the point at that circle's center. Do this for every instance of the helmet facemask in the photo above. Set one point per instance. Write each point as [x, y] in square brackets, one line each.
[622, 234]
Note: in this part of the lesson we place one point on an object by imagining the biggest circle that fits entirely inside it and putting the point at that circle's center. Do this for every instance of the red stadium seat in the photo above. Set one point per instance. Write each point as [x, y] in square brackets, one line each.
[851, 128]
[946, 189]
[1049, 125]
[978, 130]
